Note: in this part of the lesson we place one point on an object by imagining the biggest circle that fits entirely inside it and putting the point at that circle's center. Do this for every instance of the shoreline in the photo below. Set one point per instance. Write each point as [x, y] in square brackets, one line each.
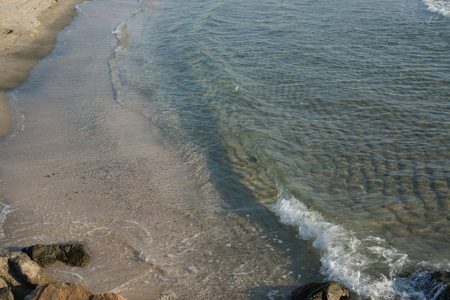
[28, 33]
[85, 168]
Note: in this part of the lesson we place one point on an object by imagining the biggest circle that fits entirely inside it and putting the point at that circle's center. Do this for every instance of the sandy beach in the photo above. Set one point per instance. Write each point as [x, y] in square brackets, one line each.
[80, 166]
[28, 32]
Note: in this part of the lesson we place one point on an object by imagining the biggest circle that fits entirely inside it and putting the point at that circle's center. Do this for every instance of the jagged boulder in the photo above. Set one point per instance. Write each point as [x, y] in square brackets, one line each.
[20, 275]
[28, 271]
[71, 254]
[330, 290]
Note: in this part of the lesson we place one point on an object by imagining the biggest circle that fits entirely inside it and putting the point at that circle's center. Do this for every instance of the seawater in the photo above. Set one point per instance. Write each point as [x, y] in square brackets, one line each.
[335, 114]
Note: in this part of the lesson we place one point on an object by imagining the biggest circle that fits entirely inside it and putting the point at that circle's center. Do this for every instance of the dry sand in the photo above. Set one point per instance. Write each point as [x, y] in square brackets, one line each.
[28, 30]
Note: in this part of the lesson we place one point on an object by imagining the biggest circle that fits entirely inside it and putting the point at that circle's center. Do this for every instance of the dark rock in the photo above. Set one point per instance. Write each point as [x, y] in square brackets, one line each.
[72, 254]
[443, 279]
[433, 284]
[330, 290]
[6, 294]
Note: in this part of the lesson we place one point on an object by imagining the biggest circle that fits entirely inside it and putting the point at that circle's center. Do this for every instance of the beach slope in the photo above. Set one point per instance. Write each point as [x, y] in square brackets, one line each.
[28, 32]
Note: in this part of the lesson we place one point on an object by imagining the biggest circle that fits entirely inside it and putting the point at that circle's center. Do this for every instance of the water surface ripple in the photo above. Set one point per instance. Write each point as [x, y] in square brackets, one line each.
[337, 113]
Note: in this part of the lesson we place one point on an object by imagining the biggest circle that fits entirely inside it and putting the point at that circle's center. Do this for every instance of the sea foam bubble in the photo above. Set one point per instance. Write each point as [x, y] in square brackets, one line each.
[439, 6]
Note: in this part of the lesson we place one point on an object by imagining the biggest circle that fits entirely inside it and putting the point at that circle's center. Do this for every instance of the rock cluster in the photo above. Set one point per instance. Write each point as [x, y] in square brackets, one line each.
[19, 275]
[24, 278]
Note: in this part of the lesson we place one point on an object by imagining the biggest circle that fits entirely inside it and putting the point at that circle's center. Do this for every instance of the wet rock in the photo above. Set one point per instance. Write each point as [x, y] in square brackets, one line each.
[330, 290]
[443, 278]
[60, 291]
[72, 254]
[433, 284]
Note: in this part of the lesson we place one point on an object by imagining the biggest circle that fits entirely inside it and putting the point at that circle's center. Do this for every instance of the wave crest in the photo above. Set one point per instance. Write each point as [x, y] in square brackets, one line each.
[366, 266]
[439, 6]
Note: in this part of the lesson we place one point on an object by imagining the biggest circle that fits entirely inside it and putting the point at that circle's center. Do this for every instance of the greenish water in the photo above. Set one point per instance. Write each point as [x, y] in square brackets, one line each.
[335, 115]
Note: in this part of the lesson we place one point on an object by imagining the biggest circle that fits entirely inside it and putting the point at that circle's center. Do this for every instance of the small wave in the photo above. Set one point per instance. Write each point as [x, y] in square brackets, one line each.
[343, 258]
[122, 41]
[439, 6]
[368, 266]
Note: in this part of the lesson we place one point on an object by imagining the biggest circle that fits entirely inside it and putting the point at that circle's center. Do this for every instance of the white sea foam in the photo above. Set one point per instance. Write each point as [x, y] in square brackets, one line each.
[367, 266]
[121, 34]
[439, 6]
[5, 211]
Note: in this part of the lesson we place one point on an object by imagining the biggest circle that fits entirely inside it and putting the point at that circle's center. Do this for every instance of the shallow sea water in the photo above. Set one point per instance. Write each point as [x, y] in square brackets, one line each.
[342, 108]
[313, 136]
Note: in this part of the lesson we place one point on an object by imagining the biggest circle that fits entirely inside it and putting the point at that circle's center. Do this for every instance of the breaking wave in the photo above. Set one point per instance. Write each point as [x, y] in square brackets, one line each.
[369, 266]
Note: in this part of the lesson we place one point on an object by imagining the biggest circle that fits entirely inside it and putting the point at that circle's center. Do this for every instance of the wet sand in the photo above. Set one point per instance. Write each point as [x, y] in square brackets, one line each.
[5, 119]
[78, 166]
